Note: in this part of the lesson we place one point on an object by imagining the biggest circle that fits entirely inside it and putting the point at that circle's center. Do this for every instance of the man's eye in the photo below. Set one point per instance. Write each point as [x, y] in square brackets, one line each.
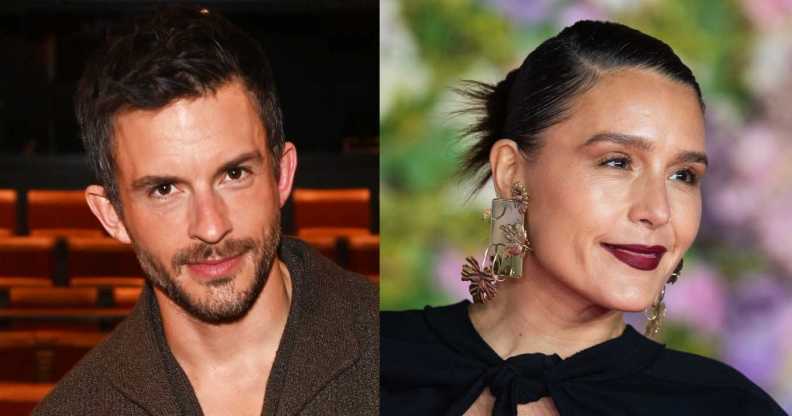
[162, 190]
[236, 173]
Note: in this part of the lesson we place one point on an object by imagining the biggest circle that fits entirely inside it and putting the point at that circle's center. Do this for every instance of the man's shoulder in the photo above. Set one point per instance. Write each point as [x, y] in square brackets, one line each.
[337, 285]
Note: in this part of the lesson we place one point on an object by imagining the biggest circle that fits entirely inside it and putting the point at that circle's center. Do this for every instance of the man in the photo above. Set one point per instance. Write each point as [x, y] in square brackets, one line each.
[182, 126]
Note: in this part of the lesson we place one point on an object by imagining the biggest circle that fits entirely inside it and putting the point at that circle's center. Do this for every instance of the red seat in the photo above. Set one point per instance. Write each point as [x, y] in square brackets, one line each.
[325, 244]
[27, 256]
[8, 201]
[18, 399]
[335, 208]
[61, 213]
[43, 355]
[101, 256]
[364, 255]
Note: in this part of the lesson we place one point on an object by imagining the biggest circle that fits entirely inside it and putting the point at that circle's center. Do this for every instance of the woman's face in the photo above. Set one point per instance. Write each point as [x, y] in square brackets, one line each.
[615, 191]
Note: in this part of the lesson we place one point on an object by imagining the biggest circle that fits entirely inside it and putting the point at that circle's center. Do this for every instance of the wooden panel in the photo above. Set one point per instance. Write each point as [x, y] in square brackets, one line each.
[70, 297]
[52, 297]
[8, 201]
[325, 244]
[49, 209]
[18, 399]
[101, 257]
[332, 208]
[107, 281]
[26, 256]
[364, 254]
[43, 355]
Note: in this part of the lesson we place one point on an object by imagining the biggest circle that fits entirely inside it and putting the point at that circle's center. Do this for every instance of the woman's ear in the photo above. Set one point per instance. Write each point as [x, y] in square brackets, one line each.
[506, 164]
[104, 210]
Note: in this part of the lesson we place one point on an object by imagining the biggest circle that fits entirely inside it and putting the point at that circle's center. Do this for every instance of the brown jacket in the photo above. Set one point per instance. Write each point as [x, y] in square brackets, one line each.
[327, 362]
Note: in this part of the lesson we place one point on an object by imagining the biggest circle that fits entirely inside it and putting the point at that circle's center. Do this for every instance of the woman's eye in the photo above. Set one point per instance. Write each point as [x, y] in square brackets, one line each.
[685, 175]
[617, 162]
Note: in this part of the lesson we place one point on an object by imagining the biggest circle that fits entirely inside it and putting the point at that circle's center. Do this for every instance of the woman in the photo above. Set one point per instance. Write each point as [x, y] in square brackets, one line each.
[595, 146]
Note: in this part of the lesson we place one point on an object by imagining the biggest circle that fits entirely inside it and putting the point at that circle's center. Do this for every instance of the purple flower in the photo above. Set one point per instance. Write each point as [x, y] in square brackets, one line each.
[774, 226]
[697, 299]
[524, 11]
[448, 266]
[580, 11]
[753, 337]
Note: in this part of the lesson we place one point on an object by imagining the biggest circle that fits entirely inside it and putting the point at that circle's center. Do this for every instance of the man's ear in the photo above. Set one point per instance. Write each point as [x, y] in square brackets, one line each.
[288, 165]
[505, 161]
[104, 210]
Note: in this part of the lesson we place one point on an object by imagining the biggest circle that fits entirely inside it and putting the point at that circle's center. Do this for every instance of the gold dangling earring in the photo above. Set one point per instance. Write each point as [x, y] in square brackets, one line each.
[509, 243]
[656, 313]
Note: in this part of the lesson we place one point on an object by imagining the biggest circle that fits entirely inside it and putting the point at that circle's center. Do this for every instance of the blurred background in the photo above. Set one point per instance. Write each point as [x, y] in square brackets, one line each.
[734, 300]
[64, 284]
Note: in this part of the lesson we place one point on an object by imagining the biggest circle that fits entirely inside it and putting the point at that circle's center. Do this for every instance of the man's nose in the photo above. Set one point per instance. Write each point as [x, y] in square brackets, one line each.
[209, 217]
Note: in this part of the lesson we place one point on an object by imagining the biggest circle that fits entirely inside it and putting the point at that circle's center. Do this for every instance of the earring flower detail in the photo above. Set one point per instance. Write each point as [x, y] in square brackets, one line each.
[509, 243]
[655, 314]
[482, 282]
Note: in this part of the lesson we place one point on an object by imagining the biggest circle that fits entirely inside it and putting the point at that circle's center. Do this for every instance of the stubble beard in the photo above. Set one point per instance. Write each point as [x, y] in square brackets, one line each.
[224, 302]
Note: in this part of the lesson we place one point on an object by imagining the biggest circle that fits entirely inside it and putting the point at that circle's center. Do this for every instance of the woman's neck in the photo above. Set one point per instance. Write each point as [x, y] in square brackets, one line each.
[539, 314]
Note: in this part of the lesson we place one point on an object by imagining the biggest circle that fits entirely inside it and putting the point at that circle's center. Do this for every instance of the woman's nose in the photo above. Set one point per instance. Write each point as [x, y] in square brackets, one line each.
[651, 206]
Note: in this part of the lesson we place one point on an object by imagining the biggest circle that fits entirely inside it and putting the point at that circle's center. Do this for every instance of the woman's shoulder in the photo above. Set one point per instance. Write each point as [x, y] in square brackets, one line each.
[416, 324]
[707, 374]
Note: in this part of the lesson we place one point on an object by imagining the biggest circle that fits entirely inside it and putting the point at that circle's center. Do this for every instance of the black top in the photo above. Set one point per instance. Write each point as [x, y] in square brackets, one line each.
[433, 362]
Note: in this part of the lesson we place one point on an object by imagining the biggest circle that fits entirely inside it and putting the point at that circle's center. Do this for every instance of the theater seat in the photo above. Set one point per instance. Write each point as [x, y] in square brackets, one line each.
[8, 201]
[61, 213]
[335, 208]
[364, 254]
[19, 399]
[27, 256]
[325, 244]
[43, 355]
[100, 256]
[106, 281]
[68, 297]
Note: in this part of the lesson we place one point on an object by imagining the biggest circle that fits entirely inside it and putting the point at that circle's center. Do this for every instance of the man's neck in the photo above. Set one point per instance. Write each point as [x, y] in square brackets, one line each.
[539, 314]
[252, 340]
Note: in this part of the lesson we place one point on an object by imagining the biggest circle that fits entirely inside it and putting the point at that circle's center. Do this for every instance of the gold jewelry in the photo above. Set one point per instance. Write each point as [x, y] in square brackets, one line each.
[509, 243]
[655, 314]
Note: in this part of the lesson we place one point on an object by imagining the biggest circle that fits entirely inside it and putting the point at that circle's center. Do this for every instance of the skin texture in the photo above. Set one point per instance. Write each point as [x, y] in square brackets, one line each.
[573, 292]
[223, 331]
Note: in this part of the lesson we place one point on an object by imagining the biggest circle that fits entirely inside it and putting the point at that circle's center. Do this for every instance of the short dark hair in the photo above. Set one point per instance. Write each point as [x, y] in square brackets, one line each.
[175, 53]
[539, 93]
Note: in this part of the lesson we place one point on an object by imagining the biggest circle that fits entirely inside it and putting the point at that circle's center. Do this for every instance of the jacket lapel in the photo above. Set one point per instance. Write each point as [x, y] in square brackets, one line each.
[136, 368]
[319, 342]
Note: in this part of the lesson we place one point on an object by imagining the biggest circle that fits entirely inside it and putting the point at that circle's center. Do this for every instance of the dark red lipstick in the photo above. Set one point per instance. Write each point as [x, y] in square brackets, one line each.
[636, 255]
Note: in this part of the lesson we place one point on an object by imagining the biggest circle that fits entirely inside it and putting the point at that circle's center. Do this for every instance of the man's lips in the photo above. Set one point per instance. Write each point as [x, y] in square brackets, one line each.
[637, 256]
[215, 268]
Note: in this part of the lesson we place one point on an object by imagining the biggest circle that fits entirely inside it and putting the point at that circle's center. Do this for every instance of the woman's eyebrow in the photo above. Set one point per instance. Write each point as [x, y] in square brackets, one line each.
[644, 144]
[626, 140]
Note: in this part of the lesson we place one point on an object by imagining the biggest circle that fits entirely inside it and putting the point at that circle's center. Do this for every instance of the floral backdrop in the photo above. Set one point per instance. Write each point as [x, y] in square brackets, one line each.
[734, 300]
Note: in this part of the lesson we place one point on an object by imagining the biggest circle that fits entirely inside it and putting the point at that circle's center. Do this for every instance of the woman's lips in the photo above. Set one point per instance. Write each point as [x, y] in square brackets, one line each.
[637, 256]
[215, 268]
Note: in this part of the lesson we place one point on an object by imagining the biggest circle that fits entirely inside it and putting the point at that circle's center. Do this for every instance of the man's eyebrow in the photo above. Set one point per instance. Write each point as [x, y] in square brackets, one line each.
[644, 144]
[149, 181]
[254, 156]
[154, 180]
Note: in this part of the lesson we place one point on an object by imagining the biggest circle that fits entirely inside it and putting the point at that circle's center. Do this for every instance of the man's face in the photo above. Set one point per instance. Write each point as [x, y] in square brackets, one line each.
[200, 202]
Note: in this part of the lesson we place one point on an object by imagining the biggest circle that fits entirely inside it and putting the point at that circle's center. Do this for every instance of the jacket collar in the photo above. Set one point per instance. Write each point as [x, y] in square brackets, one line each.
[320, 340]
[318, 343]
